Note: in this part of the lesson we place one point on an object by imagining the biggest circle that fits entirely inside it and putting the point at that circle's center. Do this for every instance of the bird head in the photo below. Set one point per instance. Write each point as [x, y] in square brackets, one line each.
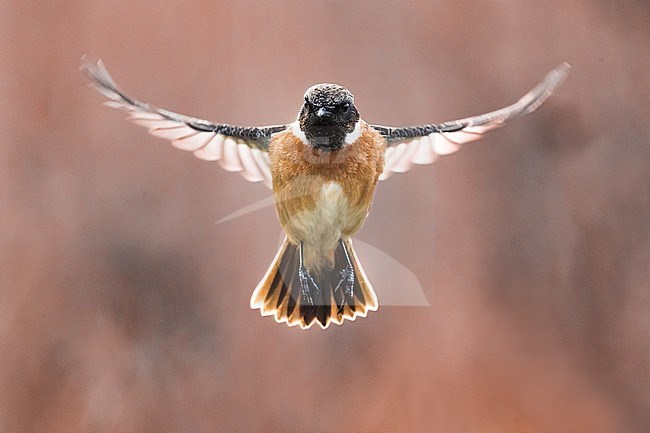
[327, 116]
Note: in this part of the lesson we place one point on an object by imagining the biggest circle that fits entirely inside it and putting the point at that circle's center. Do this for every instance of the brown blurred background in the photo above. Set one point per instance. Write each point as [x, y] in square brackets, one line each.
[123, 307]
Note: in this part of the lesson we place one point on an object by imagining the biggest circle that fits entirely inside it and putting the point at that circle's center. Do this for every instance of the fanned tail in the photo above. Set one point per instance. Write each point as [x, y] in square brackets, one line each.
[280, 293]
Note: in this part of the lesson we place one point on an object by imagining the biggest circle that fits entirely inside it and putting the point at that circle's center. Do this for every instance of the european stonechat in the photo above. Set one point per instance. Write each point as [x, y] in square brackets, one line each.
[323, 169]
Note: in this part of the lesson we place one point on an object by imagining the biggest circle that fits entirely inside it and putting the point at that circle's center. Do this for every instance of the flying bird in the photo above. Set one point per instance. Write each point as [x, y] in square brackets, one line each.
[323, 169]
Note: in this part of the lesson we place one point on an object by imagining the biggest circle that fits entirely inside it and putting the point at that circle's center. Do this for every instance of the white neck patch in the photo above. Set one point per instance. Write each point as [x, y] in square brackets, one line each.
[355, 134]
[350, 137]
[295, 130]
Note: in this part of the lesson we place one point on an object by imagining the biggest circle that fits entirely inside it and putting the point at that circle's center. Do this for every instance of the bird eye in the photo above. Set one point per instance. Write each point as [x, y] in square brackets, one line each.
[345, 107]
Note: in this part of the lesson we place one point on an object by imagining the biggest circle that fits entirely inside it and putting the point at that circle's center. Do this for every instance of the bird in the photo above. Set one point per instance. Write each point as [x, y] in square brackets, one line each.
[323, 169]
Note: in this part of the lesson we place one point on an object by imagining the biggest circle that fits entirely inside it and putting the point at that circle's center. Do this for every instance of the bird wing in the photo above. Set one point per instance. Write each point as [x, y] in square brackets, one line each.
[237, 148]
[423, 144]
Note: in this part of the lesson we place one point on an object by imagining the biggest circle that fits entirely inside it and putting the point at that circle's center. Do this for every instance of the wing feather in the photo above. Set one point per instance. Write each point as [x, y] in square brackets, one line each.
[424, 154]
[230, 160]
[251, 172]
[237, 148]
[423, 144]
[213, 151]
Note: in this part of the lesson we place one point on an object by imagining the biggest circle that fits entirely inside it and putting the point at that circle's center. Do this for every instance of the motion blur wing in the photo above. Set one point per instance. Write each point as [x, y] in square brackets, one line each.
[423, 144]
[237, 148]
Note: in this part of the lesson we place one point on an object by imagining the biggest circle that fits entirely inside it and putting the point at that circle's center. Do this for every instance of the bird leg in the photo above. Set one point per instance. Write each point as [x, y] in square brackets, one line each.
[346, 284]
[307, 283]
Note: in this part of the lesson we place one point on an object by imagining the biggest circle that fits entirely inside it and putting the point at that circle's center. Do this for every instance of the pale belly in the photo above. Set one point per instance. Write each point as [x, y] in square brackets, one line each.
[320, 228]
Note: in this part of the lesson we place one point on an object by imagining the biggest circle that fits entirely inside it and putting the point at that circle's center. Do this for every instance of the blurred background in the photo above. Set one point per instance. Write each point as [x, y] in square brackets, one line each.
[124, 307]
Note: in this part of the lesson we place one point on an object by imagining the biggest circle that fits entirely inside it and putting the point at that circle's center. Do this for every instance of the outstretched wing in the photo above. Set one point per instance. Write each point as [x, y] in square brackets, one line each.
[237, 148]
[423, 144]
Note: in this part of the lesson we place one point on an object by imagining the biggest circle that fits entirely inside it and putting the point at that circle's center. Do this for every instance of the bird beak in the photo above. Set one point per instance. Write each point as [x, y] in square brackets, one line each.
[324, 112]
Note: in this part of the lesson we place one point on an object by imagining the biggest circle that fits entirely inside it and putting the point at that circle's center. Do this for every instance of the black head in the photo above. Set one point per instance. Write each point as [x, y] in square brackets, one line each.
[327, 116]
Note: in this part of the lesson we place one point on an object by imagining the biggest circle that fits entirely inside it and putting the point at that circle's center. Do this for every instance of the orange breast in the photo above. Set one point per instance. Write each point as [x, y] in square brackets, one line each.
[301, 175]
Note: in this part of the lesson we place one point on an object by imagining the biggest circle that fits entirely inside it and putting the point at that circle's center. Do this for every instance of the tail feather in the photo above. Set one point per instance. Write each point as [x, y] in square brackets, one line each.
[279, 293]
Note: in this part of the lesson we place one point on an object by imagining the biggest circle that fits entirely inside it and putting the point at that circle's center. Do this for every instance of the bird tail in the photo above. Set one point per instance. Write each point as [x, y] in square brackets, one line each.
[280, 293]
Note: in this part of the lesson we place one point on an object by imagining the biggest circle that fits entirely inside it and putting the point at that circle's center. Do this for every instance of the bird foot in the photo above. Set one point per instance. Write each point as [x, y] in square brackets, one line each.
[346, 286]
[307, 285]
